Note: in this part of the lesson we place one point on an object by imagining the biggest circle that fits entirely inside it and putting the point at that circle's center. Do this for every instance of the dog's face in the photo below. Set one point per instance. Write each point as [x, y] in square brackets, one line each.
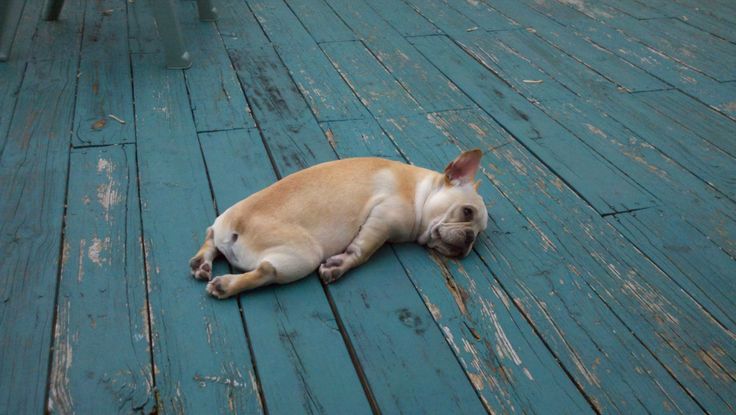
[456, 213]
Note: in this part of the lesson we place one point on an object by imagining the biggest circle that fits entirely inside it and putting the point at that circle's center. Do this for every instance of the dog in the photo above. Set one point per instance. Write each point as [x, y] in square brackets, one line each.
[335, 215]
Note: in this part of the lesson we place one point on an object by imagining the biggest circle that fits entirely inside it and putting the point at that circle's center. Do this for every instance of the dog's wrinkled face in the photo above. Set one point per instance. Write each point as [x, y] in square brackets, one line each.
[456, 213]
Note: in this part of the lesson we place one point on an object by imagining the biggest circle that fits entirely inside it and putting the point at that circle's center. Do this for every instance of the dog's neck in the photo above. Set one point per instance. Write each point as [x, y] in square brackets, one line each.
[426, 187]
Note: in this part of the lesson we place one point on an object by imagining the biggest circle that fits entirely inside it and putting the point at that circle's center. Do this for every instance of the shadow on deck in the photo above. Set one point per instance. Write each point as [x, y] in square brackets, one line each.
[604, 283]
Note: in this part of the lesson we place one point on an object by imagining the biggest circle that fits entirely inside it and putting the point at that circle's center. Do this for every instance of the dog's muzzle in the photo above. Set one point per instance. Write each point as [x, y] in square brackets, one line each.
[453, 241]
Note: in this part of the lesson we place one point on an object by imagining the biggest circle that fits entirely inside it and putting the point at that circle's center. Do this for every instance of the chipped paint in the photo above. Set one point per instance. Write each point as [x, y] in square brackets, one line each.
[98, 247]
[80, 261]
[451, 339]
[476, 380]
[59, 393]
[107, 193]
[433, 309]
[331, 137]
[595, 130]
[254, 388]
[452, 286]
[650, 300]
[479, 131]
[222, 380]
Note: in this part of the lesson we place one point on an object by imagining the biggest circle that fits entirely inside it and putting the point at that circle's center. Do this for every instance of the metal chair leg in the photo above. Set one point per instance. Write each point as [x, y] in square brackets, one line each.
[177, 57]
[52, 9]
[207, 11]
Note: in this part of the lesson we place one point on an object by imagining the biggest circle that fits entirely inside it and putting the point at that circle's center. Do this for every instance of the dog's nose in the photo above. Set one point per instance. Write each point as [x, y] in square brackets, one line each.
[469, 237]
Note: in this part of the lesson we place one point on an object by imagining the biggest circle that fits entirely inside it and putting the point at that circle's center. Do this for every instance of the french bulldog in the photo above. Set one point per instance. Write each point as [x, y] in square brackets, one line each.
[335, 215]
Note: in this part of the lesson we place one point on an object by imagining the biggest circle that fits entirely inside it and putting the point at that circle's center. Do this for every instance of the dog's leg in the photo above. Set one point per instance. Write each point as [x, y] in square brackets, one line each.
[372, 235]
[280, 268]
[201, 263]
[228, 285]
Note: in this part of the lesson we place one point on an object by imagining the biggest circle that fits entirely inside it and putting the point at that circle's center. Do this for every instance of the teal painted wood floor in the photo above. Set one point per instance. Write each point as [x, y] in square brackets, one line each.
[605, 283]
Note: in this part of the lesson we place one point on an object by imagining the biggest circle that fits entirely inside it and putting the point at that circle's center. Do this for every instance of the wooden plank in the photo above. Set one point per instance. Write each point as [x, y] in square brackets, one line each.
[723, 10]
[486, 333]
[102, 291]
[564, 69]
[366, 77]
[696, 17]
[293, 333]
[693, 116]
[313, 14]
[696, 155]
[674, 40]
[529, 79]
[409, 365]
[539, 133]
[33, 172]
[672, 185]
[238, 26]
[445, 16]
[403, 18]
[142, 33]
[688, 45]
[638, 9]
[217, 100]
[326, 93]
[104, 89]
[482, 12]
[618, 70]
[200, 354]
[717, 95]
[410, 68]
[12, 71]
[695, 263]
[359, 138]
[388, 386]
[293, 352]
[599, 276]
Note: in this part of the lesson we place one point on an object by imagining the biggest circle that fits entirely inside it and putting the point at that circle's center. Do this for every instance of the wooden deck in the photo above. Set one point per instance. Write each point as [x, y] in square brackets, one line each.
[605, 283]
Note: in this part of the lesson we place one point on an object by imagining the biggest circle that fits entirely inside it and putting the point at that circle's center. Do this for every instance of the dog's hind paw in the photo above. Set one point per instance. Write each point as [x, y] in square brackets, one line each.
[333, 268]
[201, 269]
[218, 287]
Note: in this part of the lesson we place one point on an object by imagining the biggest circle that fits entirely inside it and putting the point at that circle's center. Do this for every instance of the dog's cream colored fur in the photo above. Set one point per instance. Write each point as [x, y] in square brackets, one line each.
[335, 215]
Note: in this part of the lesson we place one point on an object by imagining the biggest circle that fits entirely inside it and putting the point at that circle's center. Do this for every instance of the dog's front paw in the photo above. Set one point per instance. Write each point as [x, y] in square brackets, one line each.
[333, 268]
[201, 269]
[219, 287]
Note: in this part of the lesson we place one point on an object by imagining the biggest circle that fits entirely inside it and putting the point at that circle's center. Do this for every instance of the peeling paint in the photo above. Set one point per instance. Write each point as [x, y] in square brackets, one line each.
[59, 395]
[452, 286]
[595, 130]
[330, 137]
[432, 309]
[477, 381]
[98, 247]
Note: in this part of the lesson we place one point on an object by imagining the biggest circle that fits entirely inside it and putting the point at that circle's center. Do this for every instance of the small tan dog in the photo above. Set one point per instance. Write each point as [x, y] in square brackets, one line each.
[335, 215]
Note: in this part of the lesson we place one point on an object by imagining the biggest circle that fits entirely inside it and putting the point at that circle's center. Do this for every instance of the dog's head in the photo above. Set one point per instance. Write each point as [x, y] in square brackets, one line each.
[455, 213]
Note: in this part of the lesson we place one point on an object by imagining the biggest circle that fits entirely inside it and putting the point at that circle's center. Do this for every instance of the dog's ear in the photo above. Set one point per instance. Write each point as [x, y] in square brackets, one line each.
[462, 170]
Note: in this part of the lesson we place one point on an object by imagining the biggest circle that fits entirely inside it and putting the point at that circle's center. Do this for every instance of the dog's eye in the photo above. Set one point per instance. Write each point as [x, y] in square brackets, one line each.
[468, 213]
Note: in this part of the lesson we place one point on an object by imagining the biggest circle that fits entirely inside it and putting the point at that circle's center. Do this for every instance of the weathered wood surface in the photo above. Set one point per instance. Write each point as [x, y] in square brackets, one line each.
[102, 291]
[217, 100]
[603, 283]
[293, 327]
[294, 335]
[12, 71]
[424, 356]
[200, 353]
[104, 110]
[33, 172]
